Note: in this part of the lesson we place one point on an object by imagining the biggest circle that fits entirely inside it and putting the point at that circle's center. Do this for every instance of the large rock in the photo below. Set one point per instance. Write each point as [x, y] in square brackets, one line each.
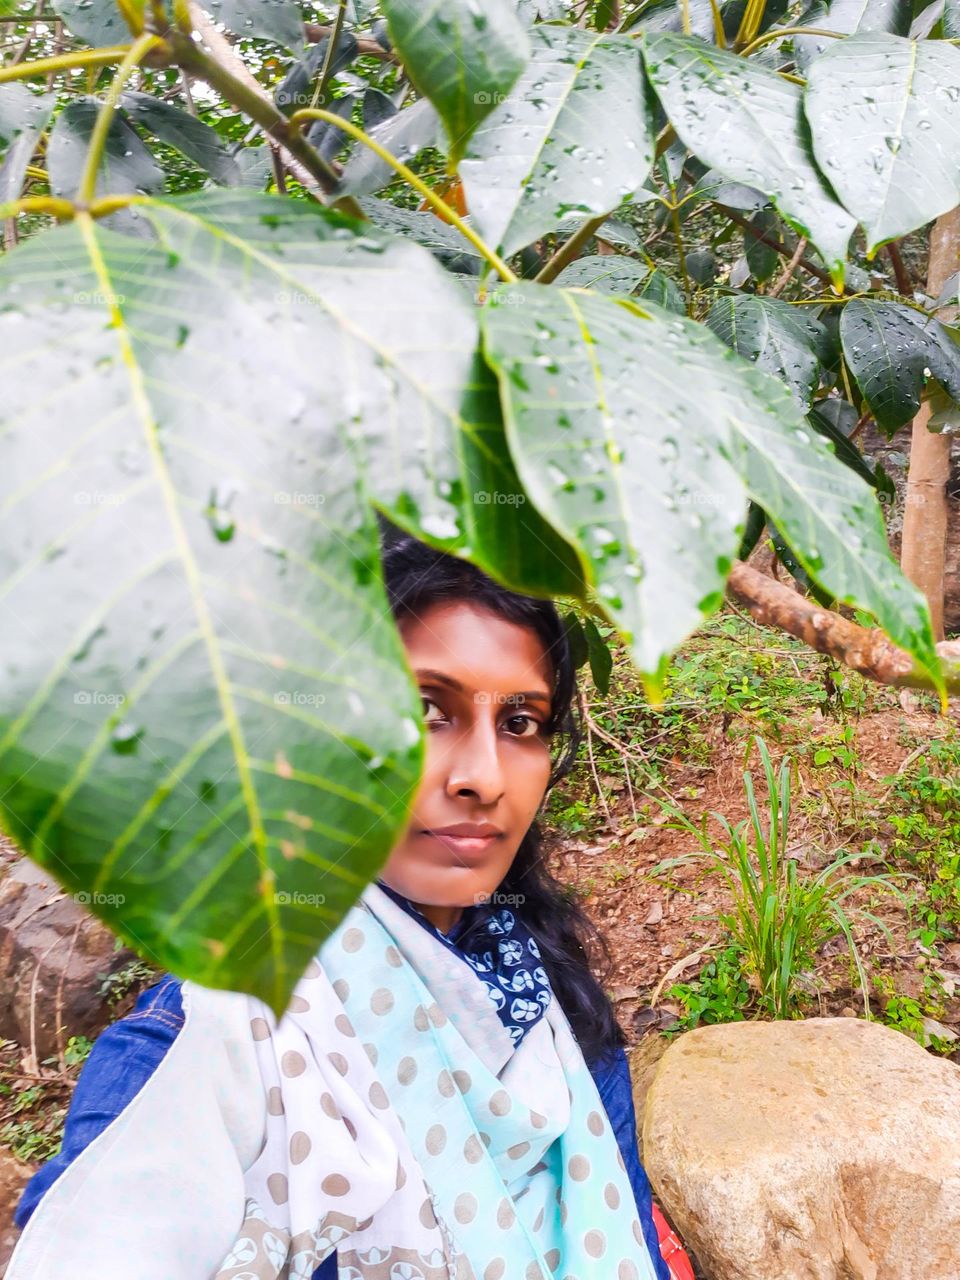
[818, 1150]
[14, 1176]
[53, 957]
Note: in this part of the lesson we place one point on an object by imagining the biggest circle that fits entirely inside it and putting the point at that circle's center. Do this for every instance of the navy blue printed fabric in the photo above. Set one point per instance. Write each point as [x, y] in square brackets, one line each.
[503, 953]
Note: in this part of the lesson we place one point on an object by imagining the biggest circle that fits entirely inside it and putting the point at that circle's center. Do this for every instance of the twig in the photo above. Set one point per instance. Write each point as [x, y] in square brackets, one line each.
[58, 1005]
[777, 245]
[904, 283]
[789, 269]
[320, 92]
[593, 763]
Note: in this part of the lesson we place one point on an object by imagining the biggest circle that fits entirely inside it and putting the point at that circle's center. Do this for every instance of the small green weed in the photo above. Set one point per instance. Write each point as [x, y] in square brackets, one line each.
[720, 993]
[926, 822]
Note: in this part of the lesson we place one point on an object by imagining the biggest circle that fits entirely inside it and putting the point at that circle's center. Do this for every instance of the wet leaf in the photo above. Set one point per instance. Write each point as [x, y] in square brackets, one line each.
[278, 20]
[445, 243]
[98, 22]
[206, 720]
[747, 122]
[761, 259]
[884, 114]
[126, 164]
[188, 135]
[464, 56]
[647, 477]
[23, 117]
[403, 135]
[613, 273]
[780, 338]
[548, 150]
[634, 471]
[892, 351]
[847, 17]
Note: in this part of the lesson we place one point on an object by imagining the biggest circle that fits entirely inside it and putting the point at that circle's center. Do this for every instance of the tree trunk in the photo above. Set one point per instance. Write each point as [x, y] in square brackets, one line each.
[925, 517]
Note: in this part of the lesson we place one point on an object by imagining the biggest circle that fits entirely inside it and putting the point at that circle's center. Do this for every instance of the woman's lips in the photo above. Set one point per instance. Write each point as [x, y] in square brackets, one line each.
[464, 846]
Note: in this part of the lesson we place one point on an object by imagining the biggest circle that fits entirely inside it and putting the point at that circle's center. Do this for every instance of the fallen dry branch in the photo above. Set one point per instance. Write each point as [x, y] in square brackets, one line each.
[863, 649]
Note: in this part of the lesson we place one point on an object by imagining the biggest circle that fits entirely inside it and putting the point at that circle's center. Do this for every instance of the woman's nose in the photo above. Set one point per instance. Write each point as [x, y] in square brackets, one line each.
[475, 766]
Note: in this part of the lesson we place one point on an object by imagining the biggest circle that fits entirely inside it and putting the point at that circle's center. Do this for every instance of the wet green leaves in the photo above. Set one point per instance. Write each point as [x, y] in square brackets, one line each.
[205, 718]
[548, 151]
[464, 56]
[893, 351]
[884, 113]
[648, 477]
[747, 122]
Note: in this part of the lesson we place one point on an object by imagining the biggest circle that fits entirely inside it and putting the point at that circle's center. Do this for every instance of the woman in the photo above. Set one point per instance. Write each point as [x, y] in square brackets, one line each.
[447, 1094]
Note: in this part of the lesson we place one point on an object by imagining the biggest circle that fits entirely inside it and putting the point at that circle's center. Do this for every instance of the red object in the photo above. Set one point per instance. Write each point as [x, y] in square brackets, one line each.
[671, 1248]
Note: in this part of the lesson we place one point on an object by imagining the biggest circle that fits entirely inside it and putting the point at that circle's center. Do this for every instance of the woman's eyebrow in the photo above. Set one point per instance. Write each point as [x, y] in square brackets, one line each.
[440, 677]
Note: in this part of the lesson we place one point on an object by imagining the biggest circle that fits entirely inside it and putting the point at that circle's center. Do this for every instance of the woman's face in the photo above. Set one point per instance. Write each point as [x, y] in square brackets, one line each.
[486, 689]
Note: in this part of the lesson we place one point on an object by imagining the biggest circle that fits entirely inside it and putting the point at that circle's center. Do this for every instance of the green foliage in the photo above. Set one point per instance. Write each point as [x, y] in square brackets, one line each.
[926, 825]
[779, 919]
[719, 993]
[217, 386]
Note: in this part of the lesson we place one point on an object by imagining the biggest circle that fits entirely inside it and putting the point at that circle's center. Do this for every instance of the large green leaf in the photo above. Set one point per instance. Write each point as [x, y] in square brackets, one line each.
[464, 56]
[848, 16]
[747, 122]
[445, 243]
[549, 150]
[884, 113]
[277, 20]
[23, 117]
[622, 447]
[780, 338]
[205, 721]
[638, 434]
[892, 350]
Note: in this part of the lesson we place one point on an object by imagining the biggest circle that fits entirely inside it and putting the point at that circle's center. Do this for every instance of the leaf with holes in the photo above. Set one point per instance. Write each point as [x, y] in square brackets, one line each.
[206, 721]
[747, 122]
[463, 56]
[884, 113]
[548, 150]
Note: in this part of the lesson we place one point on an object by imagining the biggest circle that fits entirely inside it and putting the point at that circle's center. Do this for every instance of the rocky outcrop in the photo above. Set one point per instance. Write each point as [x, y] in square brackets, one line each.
[819, 1150]
[53, 957]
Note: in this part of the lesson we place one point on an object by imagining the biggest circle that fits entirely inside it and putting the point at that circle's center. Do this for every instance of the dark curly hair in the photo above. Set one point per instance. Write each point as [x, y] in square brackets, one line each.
[575, 954]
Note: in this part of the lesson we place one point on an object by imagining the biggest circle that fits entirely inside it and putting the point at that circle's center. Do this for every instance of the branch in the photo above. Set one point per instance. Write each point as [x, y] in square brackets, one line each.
[777, 245]
[864, 649]
[221, 66]
[314, 33]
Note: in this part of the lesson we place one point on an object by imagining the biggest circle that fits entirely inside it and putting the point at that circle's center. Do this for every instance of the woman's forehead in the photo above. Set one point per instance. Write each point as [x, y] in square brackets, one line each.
[476, 648]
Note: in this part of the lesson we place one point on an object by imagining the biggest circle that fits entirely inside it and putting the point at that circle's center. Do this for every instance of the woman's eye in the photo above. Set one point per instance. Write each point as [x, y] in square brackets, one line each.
[427, 703]
[529, 726]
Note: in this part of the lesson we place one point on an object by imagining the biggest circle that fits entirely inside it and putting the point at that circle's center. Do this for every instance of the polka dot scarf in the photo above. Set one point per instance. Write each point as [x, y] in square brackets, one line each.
[504, 955]
[417, 1152]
